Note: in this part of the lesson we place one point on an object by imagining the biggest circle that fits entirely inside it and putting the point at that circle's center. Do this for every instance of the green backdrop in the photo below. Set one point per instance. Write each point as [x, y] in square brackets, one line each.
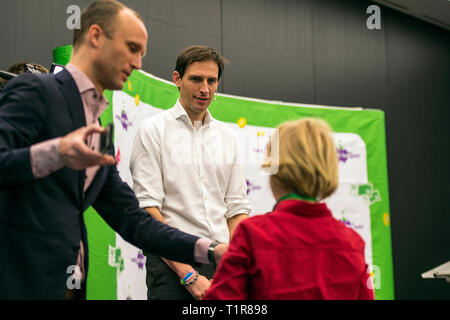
[369, 124]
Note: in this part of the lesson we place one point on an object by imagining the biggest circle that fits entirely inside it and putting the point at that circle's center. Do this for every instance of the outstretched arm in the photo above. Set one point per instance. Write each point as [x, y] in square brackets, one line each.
[231, 278]
[199, 287]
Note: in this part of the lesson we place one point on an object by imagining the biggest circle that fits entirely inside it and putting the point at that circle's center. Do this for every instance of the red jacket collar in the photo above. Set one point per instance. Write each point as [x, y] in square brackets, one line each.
[303, 208]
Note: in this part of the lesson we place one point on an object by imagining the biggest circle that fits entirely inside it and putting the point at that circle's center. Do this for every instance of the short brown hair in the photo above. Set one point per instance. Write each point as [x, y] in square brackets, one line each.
[308, 163]
[197, 53]
[102, 13]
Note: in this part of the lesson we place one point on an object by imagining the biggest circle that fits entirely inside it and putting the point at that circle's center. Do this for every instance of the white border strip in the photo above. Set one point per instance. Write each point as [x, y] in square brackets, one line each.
[265, 101]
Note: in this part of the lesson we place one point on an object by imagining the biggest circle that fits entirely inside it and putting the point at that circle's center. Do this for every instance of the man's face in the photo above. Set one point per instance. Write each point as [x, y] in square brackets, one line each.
[119, 56]
[198, 85]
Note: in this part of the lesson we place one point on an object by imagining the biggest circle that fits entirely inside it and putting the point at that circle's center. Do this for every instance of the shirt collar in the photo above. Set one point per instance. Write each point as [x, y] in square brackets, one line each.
[85, 84]
[81, 79]
[180, 112]
[303, 208]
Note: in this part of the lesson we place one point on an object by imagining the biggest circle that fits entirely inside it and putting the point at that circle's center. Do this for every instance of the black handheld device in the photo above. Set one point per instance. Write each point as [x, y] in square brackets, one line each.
[106, 139]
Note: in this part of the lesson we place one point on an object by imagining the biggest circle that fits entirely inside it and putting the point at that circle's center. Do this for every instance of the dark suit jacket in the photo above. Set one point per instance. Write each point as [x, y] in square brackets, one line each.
[41, 221]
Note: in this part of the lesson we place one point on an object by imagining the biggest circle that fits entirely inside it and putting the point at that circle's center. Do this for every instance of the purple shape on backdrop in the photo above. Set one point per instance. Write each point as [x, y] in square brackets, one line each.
[251, 187]
[139, 260]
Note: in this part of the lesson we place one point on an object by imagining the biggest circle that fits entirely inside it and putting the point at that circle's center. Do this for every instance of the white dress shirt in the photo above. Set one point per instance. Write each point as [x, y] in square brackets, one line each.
[193, 175]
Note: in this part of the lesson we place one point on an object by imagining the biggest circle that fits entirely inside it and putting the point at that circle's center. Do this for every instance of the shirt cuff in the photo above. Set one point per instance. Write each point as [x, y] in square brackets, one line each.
[148, 203]
[201, 250]
[235, 208]
[45, 158]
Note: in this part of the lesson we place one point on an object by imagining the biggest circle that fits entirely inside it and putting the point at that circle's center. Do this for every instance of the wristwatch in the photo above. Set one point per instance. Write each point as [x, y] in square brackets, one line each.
[211, 252]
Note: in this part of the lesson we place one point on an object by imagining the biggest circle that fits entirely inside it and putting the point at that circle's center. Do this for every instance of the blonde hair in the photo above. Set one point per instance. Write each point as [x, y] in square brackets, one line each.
[308, 163]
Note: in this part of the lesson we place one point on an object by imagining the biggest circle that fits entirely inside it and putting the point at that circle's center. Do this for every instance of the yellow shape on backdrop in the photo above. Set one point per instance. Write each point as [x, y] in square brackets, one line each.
[386, 219]
[261, 133]
[129, 86]
[137, 99]
[242, 122]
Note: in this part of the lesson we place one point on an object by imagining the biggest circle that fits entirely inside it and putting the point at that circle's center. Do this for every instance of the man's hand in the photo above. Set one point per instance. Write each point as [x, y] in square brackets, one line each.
[76, 155]
[219, 251]
[199, 287]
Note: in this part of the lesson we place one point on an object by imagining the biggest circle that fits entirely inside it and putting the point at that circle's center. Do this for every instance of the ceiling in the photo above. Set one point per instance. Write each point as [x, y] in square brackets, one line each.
[436, 12]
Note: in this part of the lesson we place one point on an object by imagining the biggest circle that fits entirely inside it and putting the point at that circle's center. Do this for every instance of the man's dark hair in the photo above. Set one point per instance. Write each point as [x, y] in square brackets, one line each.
[31, 67]
[197, 53]
[102, 13]
[18, 68]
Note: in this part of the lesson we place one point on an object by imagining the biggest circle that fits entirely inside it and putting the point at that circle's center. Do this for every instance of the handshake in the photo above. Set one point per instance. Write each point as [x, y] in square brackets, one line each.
[216, 251]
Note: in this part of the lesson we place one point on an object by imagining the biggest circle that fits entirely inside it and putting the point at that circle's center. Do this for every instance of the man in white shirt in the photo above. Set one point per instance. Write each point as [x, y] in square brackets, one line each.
[187, 173]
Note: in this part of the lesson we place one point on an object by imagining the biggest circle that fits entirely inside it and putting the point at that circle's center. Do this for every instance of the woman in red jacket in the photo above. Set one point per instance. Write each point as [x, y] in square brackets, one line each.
[297, 251]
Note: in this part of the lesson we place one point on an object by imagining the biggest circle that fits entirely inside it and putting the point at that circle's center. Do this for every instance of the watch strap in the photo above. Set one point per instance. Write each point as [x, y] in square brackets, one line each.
[211, 251]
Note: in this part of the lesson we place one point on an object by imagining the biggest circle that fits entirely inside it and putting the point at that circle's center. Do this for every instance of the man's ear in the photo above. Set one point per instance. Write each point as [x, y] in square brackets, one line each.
[176, 78]
[95, 34]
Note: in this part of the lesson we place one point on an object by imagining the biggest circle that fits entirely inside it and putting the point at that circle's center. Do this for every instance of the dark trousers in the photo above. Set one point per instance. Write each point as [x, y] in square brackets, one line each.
[77, 294]
[164, 284]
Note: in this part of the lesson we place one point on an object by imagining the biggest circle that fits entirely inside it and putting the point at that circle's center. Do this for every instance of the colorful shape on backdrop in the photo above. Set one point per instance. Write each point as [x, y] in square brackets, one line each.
[349, 223]
[251, 187]
[366, 191]
[261, 133]
[123, 118]
[137, 99]
[346, 222]
[140, 260]
[115, 258]
[386, 220]
[118, 157]
[129, 294]
[129, 86]
[344, 154]
[242, 122]
[375, 197]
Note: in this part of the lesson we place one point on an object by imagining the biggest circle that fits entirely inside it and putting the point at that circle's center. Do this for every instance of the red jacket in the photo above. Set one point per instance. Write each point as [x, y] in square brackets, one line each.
[298, 251]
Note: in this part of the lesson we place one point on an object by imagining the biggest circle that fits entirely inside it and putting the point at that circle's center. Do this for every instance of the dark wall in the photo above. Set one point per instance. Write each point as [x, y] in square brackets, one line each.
[417, 123]
[317, 52]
